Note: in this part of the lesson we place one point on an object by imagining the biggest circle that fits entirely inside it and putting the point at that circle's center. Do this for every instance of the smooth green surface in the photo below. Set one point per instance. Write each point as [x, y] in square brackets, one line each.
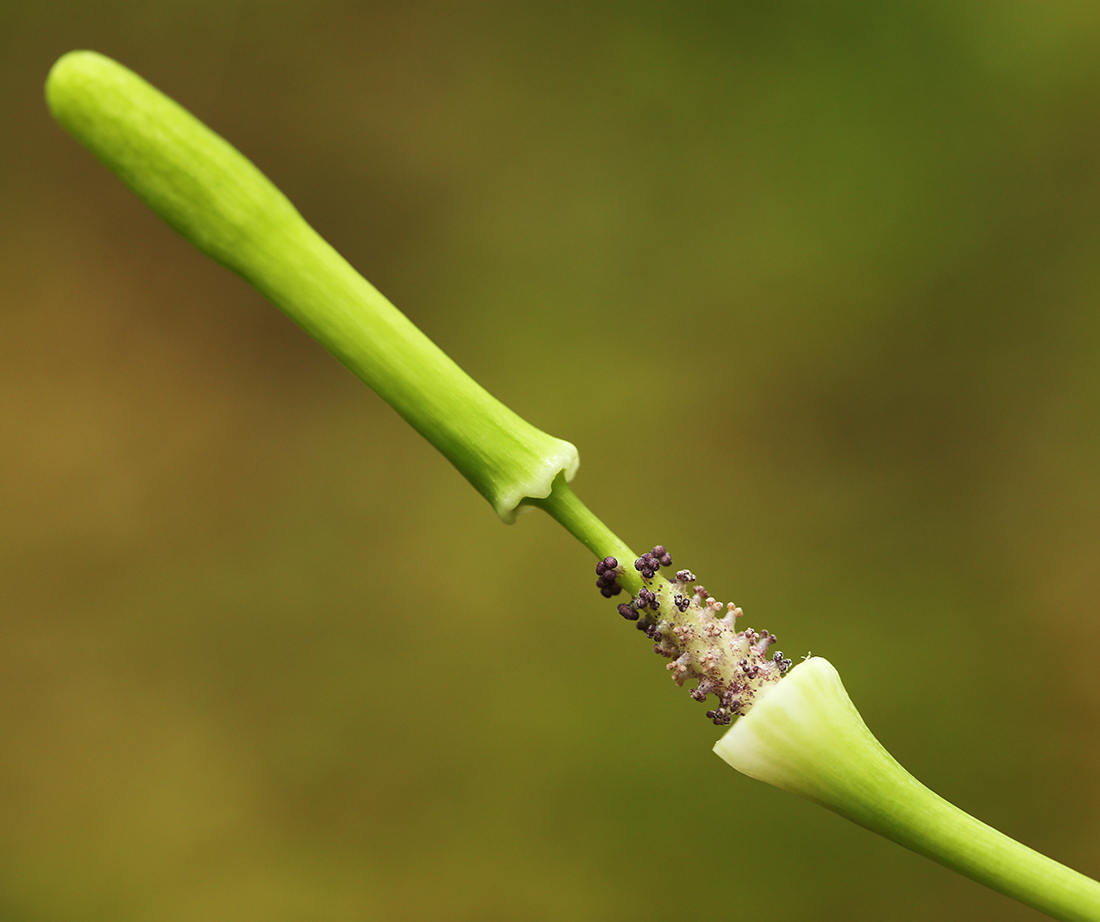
[816, 287]
[220, 202]
[805, 736]
[576, 518]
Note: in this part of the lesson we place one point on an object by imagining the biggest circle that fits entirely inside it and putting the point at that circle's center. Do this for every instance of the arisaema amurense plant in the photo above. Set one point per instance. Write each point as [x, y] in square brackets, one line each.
[794, 727]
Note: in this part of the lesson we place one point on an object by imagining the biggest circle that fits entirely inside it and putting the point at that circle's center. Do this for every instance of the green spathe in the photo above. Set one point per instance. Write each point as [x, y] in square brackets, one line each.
[804, 735]
[217, 198]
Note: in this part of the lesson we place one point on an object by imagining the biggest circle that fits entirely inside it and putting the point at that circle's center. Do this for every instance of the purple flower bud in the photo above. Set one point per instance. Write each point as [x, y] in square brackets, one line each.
[628, 611]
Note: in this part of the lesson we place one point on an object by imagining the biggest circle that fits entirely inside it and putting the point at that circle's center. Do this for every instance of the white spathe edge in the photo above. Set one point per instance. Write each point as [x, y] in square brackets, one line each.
[800, 731]
[564, 459]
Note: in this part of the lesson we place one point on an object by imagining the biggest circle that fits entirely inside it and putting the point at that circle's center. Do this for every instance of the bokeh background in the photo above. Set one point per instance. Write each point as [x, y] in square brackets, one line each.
[815, 288]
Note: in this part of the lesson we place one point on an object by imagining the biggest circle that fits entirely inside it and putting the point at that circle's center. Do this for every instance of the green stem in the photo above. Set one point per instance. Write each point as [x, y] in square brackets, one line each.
[804, 735]
[566, 508]
[800, 736]
[219, 200]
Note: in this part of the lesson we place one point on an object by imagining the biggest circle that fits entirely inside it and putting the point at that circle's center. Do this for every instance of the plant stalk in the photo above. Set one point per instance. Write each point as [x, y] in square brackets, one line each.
[566, 508]
[804, 735]
[217, 199]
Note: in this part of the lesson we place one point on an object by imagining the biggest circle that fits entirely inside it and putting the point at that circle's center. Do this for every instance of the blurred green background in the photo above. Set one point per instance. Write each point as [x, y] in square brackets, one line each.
[813, 287]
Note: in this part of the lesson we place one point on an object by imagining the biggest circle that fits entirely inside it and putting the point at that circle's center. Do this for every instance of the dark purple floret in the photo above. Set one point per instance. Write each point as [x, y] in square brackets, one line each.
[628, 611]
[608, 573]
[662, 556]
[606, 565]
[652, 561]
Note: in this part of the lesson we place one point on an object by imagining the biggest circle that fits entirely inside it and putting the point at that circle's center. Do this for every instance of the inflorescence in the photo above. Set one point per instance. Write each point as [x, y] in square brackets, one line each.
[696, 634]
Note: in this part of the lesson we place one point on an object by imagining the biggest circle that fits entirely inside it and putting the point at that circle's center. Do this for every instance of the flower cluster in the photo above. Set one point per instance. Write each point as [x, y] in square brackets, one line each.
[696, 634]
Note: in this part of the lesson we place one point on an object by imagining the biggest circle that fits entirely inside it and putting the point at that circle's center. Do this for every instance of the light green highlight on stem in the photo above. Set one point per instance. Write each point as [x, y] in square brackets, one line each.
[216, 198]
[804, 735]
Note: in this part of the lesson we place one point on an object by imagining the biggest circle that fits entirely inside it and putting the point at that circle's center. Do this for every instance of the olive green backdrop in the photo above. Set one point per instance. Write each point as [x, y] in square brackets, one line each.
[815, 288]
